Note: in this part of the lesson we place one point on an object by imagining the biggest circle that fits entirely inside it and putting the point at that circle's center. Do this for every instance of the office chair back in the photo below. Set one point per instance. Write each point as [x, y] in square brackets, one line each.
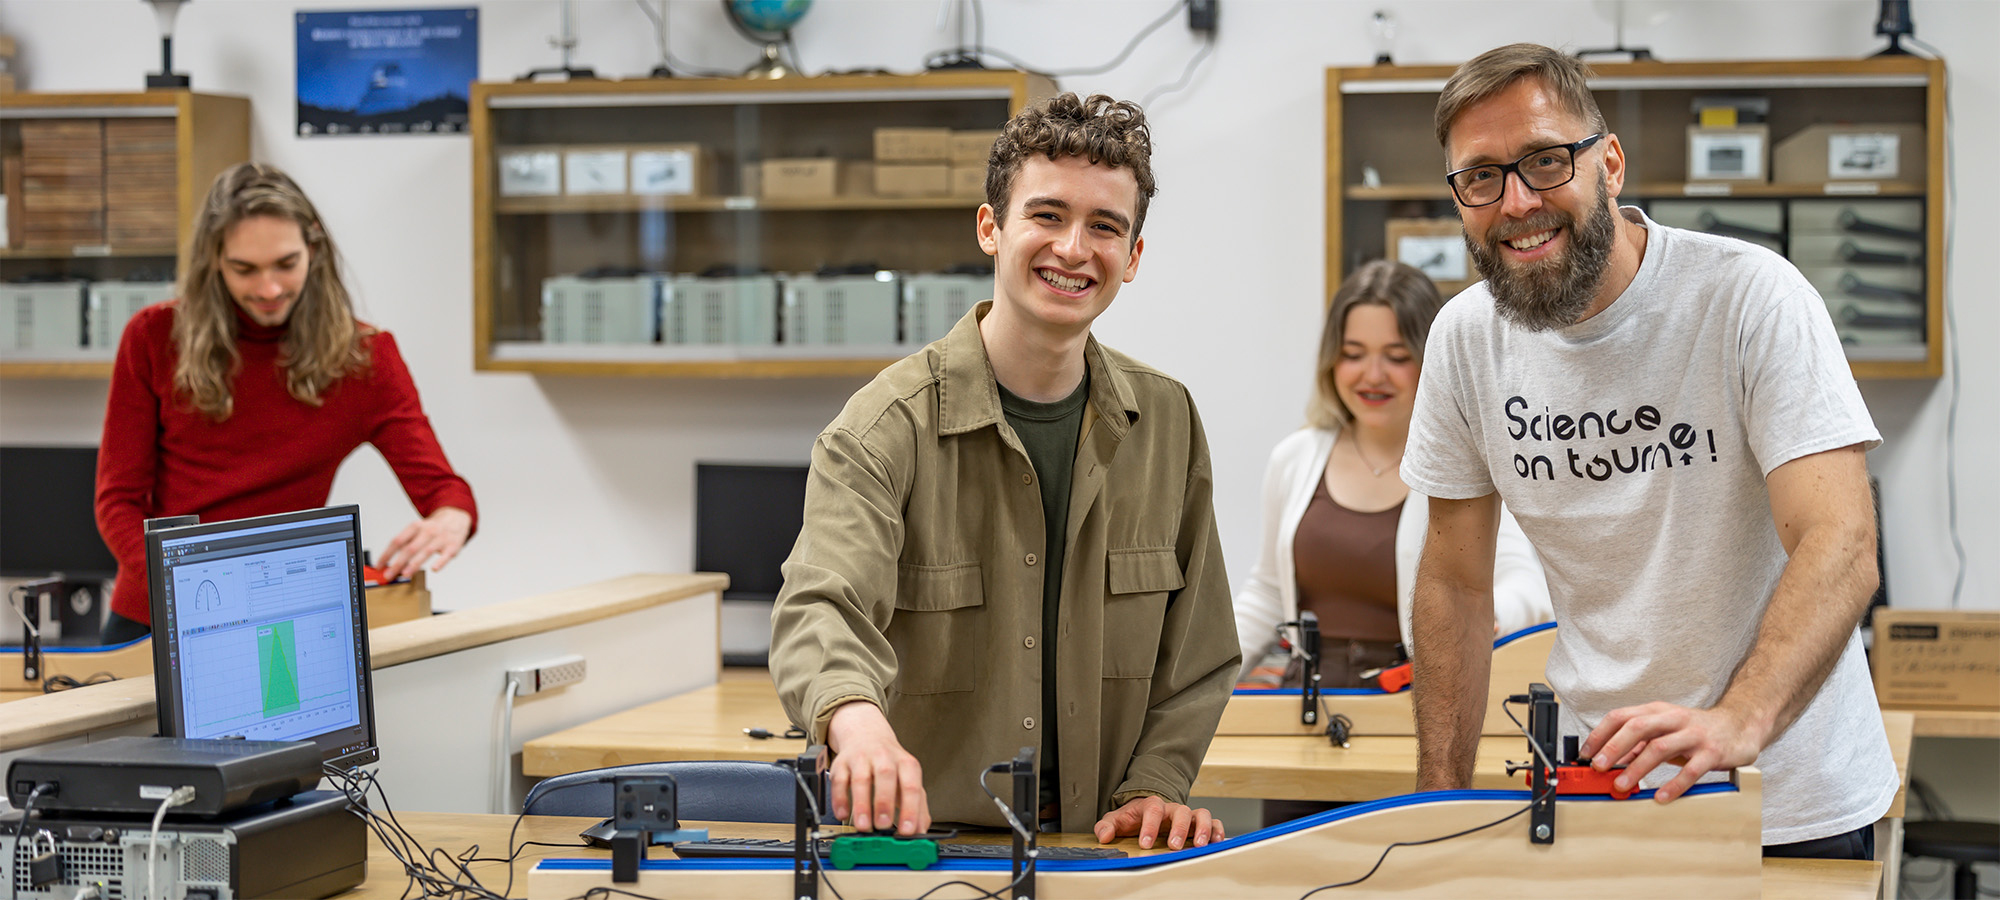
[1961, 843]
[706, 791]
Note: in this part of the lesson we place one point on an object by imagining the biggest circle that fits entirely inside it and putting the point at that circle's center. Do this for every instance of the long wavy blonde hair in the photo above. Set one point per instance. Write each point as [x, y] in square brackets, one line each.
[324, 340]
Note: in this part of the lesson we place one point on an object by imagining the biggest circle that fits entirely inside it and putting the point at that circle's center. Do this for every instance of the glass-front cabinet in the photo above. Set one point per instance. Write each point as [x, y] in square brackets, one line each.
[101, 191]
[807, 226]
[1838, 165]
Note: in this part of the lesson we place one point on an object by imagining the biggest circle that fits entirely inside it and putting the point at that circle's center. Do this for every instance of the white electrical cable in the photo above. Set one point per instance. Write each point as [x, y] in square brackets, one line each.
[180, 797]
[503, 768]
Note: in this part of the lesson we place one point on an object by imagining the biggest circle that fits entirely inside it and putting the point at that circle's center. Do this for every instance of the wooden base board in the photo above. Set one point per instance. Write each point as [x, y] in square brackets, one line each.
[1704, 845]
[1522, 660]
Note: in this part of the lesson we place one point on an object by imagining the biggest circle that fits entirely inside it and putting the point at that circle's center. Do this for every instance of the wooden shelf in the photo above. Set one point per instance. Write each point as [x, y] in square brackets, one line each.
[519, 206]
[520, 243]
[1665, 189]
[86, 252]
[774, 361]
[95, 367]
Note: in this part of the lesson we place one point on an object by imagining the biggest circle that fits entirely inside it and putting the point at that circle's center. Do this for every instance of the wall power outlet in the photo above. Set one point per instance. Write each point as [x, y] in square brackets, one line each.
[559, 672]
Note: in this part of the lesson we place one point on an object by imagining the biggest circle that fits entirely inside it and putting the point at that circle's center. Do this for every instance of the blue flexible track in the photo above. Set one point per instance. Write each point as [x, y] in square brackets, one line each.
[1133, 862]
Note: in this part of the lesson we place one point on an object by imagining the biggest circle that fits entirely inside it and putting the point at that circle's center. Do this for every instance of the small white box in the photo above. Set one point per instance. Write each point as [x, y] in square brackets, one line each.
[667, 171]
[1728, 154]
[114, 303]
[40, 317]
[841, 309]
[741, 310]
[530, 172]
[578, 310]
[932, 304]
[596, 171]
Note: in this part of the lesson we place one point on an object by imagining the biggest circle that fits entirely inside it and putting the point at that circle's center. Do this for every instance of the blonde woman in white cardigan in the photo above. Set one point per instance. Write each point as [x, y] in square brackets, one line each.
[1341, 529]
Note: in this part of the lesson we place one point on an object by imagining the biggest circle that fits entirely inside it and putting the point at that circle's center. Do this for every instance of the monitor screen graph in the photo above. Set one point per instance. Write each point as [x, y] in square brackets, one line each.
[260, 631]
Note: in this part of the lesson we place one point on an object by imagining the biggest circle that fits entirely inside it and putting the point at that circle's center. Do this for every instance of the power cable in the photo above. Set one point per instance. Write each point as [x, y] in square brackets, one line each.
[1207, 47]
[1531, 805]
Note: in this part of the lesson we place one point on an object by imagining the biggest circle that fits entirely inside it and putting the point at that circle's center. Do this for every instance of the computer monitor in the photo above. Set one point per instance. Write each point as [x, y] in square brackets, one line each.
[746, 519]
[48, 516]
[260, 631]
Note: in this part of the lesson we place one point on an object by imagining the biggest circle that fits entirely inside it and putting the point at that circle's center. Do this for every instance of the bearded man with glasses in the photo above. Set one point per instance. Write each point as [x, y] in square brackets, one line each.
[1670, 417]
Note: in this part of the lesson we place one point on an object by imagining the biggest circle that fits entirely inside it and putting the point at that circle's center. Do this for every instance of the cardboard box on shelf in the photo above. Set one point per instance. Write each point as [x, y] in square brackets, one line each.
[912, 145]
[1937, 658]
[799, 178]
[62, 182]
[972, 147]
[912, 179]
[1883, 152]
[857, 178]
[968, 180]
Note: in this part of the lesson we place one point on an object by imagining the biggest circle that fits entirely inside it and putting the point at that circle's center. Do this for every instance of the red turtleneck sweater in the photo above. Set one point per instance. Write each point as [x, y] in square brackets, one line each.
[160, 457]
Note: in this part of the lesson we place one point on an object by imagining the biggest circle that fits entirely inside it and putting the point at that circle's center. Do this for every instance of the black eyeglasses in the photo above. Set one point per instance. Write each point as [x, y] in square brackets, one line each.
[1545, 169]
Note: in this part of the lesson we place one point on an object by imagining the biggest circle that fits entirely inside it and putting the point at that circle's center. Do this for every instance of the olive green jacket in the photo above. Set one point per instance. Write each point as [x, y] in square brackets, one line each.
[914, 584]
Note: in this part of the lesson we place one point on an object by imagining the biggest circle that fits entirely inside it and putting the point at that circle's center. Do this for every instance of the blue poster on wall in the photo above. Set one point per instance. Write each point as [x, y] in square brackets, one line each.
[398, 71]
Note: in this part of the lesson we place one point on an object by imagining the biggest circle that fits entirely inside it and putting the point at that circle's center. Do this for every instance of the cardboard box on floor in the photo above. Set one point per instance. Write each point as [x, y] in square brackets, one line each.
[1937, 658]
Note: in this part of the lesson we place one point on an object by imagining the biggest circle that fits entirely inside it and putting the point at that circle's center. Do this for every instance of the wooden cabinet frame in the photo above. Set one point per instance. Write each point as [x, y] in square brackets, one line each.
[212, 133]
[500, 343]
[1352, 205]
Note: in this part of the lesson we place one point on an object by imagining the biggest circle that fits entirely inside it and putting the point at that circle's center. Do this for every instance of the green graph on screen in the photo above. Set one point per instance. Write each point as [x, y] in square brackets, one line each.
[277, 663]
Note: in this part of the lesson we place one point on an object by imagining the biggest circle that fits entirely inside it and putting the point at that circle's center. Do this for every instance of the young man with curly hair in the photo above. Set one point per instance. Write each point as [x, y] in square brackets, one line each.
[1009, 537]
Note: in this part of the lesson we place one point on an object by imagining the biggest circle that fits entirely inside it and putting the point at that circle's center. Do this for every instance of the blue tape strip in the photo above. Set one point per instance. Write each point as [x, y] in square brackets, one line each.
[46, 650]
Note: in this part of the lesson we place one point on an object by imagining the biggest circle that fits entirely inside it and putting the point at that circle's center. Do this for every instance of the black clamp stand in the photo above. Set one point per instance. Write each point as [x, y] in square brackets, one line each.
[809, 769]
[645, 810]
[31, 624]
[1027, 800]
[1309, 649]
[1541, 761]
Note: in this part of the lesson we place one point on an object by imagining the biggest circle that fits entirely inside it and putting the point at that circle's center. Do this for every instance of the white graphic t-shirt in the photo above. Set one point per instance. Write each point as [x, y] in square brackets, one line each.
[1632, 447]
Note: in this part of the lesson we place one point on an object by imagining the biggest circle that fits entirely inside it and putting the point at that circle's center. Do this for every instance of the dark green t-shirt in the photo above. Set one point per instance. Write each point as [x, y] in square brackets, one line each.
[1049, 432]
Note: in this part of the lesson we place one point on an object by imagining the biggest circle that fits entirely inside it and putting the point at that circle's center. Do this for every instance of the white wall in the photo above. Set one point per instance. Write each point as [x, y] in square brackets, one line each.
[583, 478]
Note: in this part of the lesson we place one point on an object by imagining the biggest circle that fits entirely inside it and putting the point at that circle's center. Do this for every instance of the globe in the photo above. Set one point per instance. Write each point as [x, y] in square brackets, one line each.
[769, 15]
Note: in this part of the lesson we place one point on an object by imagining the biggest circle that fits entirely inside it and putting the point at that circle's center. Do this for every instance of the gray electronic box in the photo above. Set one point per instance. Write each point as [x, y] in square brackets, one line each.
[578, 310]
[114, 303]
[934, 303]
[307, 846]
[845, 310]
[41, 317]
[738, 309]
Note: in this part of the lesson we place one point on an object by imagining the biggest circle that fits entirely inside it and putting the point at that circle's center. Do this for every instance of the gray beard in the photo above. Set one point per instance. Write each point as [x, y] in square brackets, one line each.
[1552, 293]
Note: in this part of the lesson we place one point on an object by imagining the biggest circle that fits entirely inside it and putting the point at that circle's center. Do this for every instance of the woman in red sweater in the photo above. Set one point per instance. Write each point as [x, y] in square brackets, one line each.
[242, 397]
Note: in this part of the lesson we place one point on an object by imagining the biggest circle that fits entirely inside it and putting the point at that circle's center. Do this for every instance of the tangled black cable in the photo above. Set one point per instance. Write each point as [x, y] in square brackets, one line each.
[55, 683]
[433, 872]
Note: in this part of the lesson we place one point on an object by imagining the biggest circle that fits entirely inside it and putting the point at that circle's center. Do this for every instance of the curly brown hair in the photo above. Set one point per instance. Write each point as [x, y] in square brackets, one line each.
[323, 340]
[1102, 130]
